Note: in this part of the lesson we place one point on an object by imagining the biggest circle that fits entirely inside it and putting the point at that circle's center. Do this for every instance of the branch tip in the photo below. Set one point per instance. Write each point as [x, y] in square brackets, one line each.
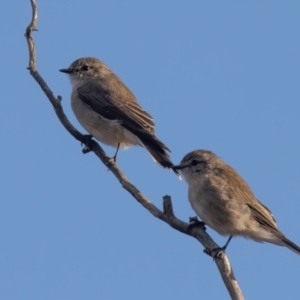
[168, 206]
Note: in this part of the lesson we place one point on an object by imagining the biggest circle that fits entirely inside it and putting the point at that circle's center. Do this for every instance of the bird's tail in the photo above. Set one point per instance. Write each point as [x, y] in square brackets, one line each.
[291, 245]
[158, 151]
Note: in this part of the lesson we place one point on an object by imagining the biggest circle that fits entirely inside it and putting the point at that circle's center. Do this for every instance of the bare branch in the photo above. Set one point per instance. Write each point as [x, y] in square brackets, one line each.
[28, 34]
[167, 215]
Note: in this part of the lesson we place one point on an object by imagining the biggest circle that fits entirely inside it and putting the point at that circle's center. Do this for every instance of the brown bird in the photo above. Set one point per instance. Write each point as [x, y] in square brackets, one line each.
[109, 111]
[225, 202]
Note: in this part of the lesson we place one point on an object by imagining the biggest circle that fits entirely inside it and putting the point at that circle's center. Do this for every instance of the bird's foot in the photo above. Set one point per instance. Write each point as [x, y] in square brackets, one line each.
[194, 222]
[216, 252]
[86, 148]
[112, 160]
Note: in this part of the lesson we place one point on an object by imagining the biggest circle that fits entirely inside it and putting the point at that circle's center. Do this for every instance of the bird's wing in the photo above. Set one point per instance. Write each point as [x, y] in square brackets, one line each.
[245, 196]
[262, 214]
[109, 99]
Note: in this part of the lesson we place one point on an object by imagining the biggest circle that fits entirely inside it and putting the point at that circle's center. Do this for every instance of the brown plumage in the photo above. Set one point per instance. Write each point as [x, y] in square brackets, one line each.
[109, 111]
[225, 202]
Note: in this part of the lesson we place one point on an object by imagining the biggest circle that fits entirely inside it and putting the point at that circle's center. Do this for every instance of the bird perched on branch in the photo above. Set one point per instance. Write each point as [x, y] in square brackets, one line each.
[225, 202]
[108, 110]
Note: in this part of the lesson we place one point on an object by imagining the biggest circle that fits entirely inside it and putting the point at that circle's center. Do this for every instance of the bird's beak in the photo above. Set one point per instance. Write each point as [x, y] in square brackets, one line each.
[68, 71]
[178, 167]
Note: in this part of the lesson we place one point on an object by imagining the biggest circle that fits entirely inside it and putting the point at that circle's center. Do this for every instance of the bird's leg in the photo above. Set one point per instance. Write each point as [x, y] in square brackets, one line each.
[225, 246]
[114, 158]
[218, 251]
[86, 148]
[194, 222]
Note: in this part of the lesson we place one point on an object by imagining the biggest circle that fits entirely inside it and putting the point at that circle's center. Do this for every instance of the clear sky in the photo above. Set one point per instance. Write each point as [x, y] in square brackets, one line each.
[217, 75]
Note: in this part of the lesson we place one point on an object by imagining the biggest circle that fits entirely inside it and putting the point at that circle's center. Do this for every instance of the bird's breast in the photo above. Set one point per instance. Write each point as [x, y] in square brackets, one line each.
[109, 132]
[198, 201]
[211, 208]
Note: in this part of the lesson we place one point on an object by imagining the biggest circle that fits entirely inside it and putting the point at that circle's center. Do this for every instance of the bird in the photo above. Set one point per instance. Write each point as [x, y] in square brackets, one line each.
[109, 111]
[225, 202]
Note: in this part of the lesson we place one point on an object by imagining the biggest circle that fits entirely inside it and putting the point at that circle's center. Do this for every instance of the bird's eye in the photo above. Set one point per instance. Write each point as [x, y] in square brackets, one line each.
[85, 68]
[195, 162]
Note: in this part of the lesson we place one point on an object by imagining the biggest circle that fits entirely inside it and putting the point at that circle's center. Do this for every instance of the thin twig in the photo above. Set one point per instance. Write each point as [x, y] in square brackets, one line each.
[167, 215]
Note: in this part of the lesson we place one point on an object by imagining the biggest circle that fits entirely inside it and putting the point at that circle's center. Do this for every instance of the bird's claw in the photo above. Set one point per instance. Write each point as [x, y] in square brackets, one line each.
[87, 138]
[112, 160]
[194, 222]
[86, 148]
[215, 253]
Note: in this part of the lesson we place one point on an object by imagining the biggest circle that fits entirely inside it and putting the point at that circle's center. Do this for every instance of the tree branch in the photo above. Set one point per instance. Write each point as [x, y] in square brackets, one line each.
[167, 215]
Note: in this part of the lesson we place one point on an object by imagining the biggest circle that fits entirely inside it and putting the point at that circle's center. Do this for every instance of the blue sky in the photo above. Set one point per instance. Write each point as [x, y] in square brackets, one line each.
[217, 75]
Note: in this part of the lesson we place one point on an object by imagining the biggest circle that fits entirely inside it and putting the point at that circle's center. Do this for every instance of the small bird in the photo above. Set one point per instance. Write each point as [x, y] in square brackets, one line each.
[225, 202]
[108, 110]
